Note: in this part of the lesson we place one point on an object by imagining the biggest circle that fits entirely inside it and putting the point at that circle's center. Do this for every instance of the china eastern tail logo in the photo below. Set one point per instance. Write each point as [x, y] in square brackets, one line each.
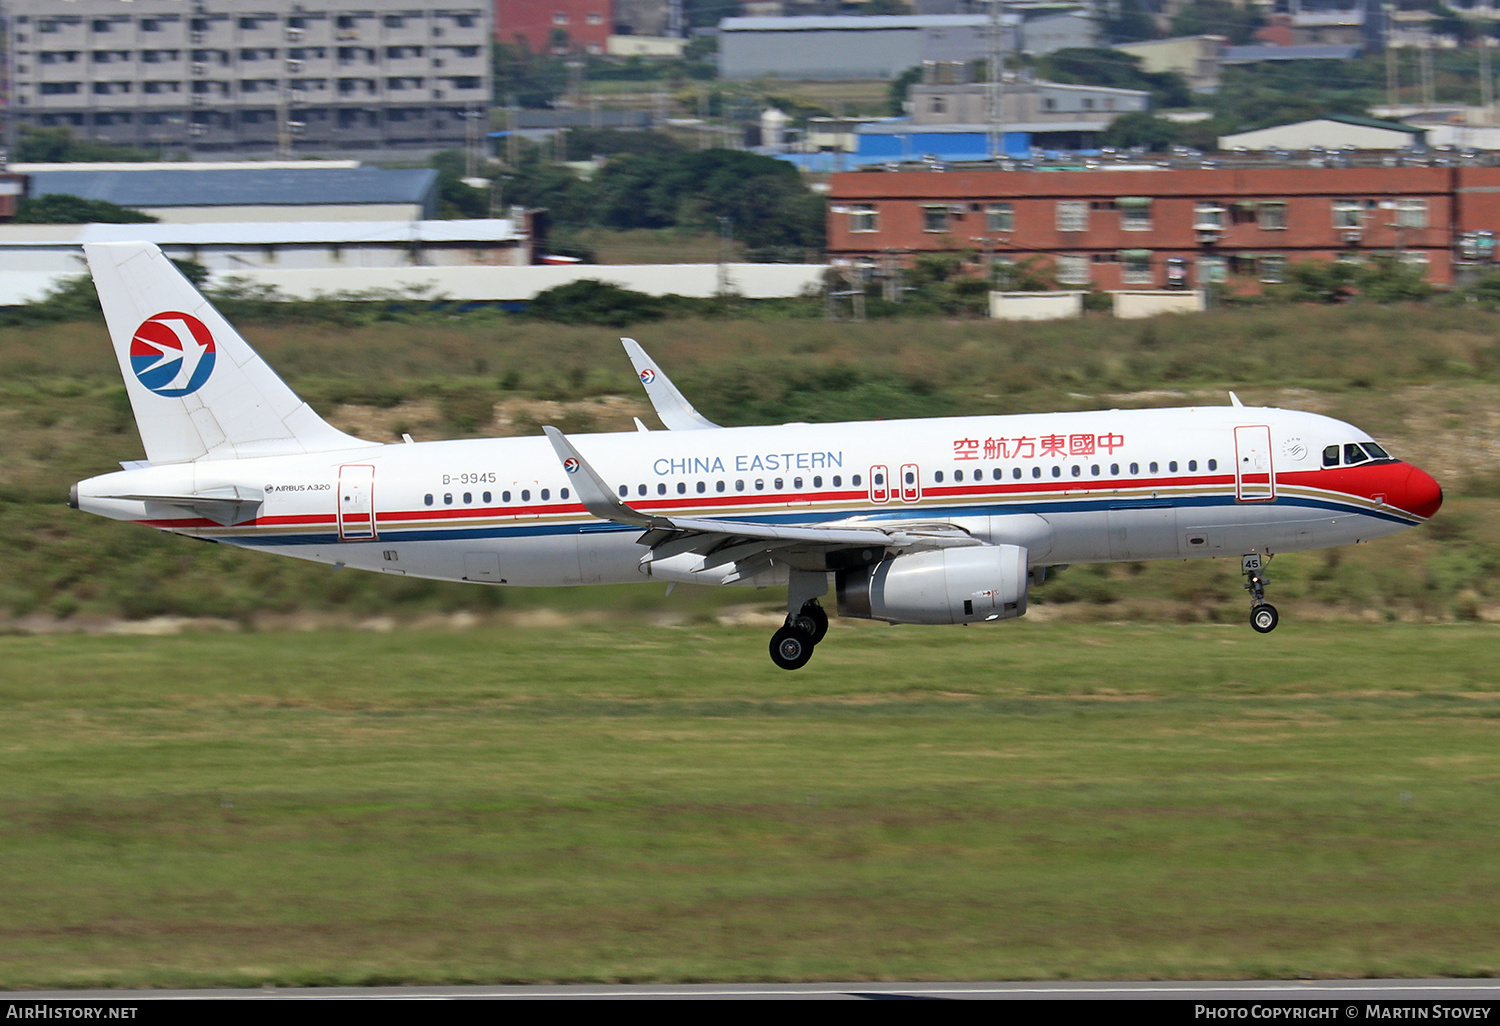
[172, 354]
[571, 465]
[647, 376]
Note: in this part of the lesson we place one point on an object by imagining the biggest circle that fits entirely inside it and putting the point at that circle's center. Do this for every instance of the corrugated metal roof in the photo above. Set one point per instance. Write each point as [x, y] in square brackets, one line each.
[271, 233]
[855, 23]
[1266, 52]
[193, 187]
[908, 128]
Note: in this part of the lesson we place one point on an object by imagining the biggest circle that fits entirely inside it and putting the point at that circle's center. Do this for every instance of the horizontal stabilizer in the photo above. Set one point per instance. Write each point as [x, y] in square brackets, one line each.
[224, 506]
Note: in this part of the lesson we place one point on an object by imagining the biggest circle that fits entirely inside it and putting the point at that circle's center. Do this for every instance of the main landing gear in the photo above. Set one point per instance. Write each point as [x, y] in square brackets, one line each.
[1263, 615]
[792, 645]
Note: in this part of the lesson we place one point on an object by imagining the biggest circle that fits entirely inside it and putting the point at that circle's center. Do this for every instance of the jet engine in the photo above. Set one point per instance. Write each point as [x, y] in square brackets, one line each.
[959, 585]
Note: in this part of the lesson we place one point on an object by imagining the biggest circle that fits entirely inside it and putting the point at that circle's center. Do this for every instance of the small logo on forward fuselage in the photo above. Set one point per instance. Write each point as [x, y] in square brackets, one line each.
[172, 354]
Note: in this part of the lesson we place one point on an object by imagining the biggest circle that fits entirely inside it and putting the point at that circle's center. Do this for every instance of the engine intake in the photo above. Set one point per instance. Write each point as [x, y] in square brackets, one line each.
[967, 585]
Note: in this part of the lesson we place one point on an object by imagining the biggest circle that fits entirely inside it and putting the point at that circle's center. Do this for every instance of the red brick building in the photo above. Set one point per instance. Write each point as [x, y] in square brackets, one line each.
[1110, 229]
[555, 26]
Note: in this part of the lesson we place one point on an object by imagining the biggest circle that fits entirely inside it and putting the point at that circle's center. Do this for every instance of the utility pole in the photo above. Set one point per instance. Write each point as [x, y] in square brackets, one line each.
[726, 250]
[994, 97]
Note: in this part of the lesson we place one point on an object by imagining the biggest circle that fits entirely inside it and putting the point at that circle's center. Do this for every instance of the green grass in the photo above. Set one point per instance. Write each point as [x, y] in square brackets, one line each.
[632, 803]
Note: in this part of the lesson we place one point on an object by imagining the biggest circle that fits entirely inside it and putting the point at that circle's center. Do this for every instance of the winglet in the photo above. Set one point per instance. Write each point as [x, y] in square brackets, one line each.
[591, 489]
[673, 409]
[1235, 399]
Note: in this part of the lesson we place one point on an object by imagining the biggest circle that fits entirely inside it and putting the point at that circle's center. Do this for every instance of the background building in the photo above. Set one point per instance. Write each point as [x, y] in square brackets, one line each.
[1114, 229]
[555, 26]
[848, 47]
[277, 76]
[270, 192]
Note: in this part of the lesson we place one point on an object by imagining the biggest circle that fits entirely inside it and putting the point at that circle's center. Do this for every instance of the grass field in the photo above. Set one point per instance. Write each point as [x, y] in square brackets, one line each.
[658, 803]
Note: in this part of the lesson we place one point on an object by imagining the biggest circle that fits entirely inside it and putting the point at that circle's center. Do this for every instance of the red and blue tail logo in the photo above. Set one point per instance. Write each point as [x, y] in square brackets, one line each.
[172, 354]
[647, 376]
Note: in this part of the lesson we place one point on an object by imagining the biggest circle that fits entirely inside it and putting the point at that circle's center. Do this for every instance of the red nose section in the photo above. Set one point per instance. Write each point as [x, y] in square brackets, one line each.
[1419, 493]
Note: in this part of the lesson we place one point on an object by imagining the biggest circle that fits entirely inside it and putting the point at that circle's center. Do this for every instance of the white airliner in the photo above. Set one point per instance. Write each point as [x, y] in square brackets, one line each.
[938, 521]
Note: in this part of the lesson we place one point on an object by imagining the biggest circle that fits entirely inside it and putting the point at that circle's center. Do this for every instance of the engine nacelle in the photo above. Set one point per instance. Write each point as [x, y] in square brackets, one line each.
[967, 585]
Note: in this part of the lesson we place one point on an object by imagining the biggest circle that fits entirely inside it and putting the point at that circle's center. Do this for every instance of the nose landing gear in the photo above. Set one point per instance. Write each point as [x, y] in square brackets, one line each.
[1263, 615]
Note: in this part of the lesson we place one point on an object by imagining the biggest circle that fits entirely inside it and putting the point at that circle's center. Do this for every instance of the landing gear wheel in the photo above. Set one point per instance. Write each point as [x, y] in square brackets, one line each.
[791, 648]
[1264, 618]
[813, 619]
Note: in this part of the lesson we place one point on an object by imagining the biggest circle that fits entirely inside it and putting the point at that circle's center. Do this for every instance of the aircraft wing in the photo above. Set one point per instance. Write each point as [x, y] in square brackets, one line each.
[226, 506]
[746, 547]
[671, 405]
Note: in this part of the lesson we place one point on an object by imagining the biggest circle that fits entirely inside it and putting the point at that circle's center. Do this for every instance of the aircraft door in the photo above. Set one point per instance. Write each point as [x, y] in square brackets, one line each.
[911, 483]
[1254, 476]
[356, 510]
[880, 484]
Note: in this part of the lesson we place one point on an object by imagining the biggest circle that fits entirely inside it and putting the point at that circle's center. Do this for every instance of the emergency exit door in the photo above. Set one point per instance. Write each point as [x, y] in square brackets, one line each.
[356, 502]
[1254, 477]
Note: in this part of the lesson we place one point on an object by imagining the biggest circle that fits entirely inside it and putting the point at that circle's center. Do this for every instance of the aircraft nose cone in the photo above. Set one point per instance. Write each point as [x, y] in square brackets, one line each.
[1421, 494]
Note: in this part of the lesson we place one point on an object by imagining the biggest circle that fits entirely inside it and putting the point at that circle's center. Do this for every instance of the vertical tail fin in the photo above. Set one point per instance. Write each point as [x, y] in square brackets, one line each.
[197, 388]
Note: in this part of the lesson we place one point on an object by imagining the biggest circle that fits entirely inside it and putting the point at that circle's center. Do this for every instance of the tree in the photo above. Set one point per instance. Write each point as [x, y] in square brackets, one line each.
[1129, 24]
[57, 145]
[1218, 17]
[1118, 70]
[62, 208]
[1139, 129]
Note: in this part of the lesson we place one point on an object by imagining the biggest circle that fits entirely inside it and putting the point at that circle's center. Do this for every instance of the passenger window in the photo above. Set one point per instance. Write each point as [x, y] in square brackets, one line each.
[1114, 470]
[879, 479]
[505, 496]
[487, 496]
[1213, 464]
[1192, 464]
[468, 498]
[1153, 466]
[525, 494]
[661, 489]
[546, 494]
[1057, 471]
[1016, 474]
[1135, 468]
[701, 488]
[718, 486]
[1076, 470]
[739, 486]
[1036, 471]
[681, 487]
[563, 493]
[1094, 470]
[428, 499]
[999, 474]
[760, 484]
[1331, 456]
[818, 482]
[1172, 467]
[640, 490]
[797, 483]
[911, 478]
[624, 491]
[838, 480]
[958, 475]
[1354, 454]
[448, 499]
[855, 480]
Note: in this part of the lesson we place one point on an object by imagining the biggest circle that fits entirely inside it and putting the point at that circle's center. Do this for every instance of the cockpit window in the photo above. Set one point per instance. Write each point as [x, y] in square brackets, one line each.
[1376, 452]
[1331, 456]
[1353, 454]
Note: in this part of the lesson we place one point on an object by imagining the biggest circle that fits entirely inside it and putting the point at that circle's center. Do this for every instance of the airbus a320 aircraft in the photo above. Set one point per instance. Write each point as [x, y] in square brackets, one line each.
[942, 521]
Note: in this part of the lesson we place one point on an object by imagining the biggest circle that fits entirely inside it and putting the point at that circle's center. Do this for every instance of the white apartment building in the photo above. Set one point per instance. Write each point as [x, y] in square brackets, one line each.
[253, 76]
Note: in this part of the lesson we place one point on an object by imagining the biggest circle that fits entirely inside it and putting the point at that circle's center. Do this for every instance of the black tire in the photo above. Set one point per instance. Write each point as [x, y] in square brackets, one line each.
[815, 617]
[791, 648]
[1264, 618]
